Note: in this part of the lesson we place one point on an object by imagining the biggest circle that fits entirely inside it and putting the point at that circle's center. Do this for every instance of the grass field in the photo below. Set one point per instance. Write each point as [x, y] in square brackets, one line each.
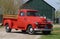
[55, 34]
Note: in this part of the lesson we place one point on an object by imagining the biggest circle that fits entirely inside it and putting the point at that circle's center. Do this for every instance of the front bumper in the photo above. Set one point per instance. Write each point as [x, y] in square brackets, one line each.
[42, 29]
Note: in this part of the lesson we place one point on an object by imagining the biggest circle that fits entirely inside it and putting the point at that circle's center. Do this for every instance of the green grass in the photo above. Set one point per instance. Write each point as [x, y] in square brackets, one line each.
[55, 34]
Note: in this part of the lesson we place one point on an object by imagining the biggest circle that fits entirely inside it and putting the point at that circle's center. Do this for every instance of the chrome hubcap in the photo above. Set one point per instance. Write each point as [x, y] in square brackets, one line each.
[31, 29]
[7, 27]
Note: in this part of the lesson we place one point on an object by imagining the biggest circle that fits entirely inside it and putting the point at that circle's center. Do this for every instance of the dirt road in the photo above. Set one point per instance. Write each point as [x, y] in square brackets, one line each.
[17, 35]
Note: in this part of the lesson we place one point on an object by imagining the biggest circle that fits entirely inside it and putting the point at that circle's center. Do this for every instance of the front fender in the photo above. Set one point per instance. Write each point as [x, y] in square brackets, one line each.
[33, 25]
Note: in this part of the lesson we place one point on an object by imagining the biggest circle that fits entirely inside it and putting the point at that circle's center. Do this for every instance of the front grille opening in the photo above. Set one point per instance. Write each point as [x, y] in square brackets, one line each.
[41, 26]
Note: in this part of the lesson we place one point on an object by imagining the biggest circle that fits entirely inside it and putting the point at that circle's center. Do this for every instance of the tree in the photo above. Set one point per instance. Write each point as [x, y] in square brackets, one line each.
[10, 6]
[57, 14]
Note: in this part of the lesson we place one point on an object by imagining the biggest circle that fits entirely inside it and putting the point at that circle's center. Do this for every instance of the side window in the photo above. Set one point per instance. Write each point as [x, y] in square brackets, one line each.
[22, 14]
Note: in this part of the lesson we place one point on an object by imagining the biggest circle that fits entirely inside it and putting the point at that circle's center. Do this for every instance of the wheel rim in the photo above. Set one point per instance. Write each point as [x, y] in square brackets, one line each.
[31, 30]
[7, 27]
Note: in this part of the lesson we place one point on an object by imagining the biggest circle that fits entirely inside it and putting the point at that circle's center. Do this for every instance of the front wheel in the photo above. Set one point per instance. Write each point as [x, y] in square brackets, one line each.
[30, 30]
[7, 28]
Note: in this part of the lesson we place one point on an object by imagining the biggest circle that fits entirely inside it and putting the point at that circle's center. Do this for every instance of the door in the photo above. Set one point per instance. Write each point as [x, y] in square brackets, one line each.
[21, 20]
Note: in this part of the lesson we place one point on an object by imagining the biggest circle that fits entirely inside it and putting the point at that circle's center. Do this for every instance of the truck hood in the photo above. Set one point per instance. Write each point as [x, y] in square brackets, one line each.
[37, 19]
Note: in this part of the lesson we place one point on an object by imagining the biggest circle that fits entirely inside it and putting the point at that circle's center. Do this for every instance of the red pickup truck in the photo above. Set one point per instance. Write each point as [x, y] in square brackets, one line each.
[28, 21]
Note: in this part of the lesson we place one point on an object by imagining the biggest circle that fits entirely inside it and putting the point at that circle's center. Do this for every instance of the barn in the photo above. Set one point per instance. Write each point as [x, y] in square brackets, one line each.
[43, 7]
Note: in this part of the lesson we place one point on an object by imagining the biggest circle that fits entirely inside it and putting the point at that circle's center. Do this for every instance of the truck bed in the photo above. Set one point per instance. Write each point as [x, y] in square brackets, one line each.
[10, 16]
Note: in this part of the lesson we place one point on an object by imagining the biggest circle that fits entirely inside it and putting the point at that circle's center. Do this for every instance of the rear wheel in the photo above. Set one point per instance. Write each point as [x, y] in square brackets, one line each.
[30, 30]
[7, 28]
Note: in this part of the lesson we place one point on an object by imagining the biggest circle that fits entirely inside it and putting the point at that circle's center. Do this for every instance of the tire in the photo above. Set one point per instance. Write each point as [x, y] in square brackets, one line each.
[7, 28]
[46, 32]
[30, 30]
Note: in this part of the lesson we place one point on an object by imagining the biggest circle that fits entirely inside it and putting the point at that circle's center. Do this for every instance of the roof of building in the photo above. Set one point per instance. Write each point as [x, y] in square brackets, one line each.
[43, 1]
[49, 4]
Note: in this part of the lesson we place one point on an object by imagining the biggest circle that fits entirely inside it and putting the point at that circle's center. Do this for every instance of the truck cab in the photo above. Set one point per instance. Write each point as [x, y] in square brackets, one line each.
[29, 21]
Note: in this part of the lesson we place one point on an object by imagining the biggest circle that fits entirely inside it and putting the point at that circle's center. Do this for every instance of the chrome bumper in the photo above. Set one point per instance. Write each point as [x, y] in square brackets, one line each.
[43, 29]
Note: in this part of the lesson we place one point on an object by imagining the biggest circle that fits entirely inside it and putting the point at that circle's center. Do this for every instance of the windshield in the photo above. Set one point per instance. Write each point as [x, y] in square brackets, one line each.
[32, 13]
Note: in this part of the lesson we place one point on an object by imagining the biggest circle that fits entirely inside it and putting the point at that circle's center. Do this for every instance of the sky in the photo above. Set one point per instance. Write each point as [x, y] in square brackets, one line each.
[54, 3]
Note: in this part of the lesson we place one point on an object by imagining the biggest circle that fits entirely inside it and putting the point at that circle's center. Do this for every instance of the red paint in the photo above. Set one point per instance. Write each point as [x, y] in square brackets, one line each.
[22, 22]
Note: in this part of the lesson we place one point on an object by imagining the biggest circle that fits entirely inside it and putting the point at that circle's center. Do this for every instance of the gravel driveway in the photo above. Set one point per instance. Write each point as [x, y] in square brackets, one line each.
[17, 35]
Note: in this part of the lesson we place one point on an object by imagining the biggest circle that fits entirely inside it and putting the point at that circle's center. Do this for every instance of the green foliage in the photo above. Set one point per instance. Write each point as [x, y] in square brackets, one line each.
[9, 6]
[57, 14]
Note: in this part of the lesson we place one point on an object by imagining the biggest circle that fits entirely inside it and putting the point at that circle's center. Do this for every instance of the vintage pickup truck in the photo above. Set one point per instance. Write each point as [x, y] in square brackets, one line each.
[29, 21]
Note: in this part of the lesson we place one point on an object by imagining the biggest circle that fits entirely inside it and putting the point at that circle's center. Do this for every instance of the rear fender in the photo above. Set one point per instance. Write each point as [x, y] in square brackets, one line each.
[8, 22]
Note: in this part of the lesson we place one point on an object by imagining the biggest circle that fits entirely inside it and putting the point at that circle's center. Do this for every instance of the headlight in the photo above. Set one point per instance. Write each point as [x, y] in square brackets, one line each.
[36, 23]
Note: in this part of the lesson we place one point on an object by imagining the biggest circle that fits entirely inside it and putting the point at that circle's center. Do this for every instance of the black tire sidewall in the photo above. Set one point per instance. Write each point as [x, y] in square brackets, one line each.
[30, 31]
[7, 30]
